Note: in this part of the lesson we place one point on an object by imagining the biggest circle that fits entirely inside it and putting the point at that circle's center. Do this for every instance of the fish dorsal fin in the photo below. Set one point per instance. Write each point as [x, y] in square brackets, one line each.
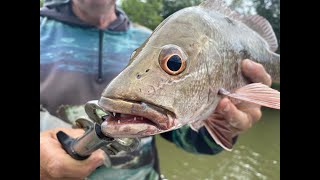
[257, 23]
[221, 7]
[263, 28]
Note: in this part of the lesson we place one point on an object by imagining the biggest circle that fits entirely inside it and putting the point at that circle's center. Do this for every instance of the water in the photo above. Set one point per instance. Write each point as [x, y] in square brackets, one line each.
[255, 156]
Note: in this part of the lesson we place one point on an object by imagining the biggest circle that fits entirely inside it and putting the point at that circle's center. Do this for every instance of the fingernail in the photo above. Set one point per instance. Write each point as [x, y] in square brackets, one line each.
[234, 123]
[226, 108]
[249, 65]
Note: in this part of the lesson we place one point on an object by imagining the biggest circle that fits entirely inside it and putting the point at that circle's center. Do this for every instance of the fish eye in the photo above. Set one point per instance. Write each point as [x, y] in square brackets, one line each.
[174, 63]
[171, 60]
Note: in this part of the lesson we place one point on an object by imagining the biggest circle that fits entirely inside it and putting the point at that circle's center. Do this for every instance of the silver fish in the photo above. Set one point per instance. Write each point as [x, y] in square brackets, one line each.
[190, 61]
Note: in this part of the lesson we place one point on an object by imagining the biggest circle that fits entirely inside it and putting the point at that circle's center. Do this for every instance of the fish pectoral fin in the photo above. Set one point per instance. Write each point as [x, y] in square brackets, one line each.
[220, 130]
[256, 93]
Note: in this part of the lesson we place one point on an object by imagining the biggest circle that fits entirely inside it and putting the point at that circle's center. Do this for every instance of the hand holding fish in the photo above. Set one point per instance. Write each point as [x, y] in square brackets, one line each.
[240, 117]
[55, 163]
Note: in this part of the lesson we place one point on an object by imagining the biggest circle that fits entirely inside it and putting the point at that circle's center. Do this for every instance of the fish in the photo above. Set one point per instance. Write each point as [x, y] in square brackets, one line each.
[187, 65]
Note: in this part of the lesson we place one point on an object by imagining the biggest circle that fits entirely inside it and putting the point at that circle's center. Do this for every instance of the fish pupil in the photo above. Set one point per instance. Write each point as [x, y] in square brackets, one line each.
[174, 63]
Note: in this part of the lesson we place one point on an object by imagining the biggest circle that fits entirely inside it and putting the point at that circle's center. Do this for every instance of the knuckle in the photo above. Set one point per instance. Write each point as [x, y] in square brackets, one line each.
[97, 158]
[101, 157]
[268, 80]
[256, 116]
[247, 123]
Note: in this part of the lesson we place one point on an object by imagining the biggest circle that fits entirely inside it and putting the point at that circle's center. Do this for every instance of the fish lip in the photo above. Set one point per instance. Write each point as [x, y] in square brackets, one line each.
[164, 119]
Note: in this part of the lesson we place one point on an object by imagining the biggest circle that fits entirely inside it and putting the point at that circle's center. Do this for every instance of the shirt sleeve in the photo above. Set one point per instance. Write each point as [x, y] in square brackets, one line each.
[199, 142]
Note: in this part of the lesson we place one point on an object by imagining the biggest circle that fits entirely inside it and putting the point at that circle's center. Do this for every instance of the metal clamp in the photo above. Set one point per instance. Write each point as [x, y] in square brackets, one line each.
[93, 139]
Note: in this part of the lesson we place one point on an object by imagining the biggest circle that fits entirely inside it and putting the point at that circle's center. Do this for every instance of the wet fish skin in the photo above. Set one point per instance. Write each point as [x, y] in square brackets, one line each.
[213, 46]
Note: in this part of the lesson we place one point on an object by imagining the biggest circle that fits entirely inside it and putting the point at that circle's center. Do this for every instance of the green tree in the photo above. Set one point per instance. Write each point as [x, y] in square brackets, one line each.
[171, 6]
[269, 9]
[146, 13]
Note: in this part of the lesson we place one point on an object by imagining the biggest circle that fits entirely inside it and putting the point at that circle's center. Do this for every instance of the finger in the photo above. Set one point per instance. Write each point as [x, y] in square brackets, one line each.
[238, 119]
[59, 163]
[255, 72]
[47, 176]
[219, 114]
[85, 167]
[225, 125]
[253, 110]
[65, 166]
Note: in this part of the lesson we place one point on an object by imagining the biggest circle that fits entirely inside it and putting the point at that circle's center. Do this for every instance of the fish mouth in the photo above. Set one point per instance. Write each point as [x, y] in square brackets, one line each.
[135, 118]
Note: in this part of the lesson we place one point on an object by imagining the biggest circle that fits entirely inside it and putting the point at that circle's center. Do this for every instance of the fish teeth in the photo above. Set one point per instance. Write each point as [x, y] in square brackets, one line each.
[135, 118]
[114, 114]
[118, 121]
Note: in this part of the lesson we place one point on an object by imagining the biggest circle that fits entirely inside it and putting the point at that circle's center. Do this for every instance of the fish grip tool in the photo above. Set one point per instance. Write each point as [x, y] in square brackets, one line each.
[93, 139]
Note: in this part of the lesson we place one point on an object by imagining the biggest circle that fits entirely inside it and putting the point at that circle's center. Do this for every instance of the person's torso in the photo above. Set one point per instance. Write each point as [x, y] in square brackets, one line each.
[69, 61]
[69, 69]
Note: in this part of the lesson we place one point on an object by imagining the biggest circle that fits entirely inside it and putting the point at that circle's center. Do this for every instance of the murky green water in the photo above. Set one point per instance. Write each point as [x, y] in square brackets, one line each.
[255, 156]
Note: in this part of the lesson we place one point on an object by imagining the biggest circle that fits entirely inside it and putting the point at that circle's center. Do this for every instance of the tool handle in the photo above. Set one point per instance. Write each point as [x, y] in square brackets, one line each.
[82, 147]
[67, 143]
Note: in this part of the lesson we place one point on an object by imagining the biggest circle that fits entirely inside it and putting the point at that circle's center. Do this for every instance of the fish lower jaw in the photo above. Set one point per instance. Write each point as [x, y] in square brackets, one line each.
[131, 126]
[121, 119]
[134, 117]
[129, 130]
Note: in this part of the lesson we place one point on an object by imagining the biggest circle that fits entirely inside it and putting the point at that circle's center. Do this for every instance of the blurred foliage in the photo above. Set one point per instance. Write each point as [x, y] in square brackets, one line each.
[150, 13]
[171, 6]
[146, 13]
[276, 86]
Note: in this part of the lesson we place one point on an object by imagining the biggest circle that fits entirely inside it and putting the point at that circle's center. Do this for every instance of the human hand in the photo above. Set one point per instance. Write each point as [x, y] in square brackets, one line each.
[55, 163]
[243, 115]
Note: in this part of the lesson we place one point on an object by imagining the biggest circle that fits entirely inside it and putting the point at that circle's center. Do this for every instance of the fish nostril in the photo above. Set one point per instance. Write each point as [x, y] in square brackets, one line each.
[229, 20]
[138, 76]
[147, 70]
